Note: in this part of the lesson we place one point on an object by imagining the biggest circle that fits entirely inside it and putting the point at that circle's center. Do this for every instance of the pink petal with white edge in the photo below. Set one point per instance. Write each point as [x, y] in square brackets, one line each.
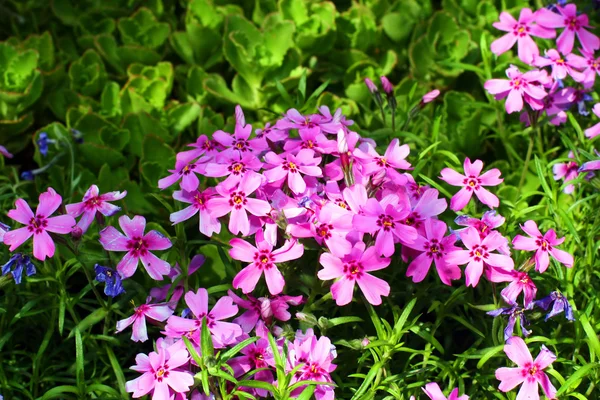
[133, 227]
[159, 312]
[342, 291]
[49, 203]
[139, 332]
[373, 288]
[43, 246]
[547, 387]
[528, 391]
[16, 237]
[21, 213]
[562, 257]
[157, 241]
[509, 378]
[517, 351]
[113, 240]
[61, 224]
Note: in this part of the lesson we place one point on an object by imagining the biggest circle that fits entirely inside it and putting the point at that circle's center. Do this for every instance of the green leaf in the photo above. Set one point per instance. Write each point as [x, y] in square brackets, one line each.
[89, 321]
[206, 344]
[542, 176]
[573, 380]
[79, 368]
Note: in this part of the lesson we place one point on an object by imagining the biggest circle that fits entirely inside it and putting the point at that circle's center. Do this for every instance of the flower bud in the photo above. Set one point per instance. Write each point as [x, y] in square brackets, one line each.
[429, 97]
[387, 86]
[76, 233]
[371, 86]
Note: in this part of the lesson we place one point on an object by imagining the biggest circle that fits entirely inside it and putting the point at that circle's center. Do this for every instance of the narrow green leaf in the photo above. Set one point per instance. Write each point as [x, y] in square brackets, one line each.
[579, 374]
[79, 359]
[542, 176]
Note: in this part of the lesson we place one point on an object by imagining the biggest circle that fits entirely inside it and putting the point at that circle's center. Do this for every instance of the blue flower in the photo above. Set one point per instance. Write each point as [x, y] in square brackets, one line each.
[514, 312]
[559, 304]
[77, 136]
[27, 175]
[16, 264]
[111, 278]
[43, 143]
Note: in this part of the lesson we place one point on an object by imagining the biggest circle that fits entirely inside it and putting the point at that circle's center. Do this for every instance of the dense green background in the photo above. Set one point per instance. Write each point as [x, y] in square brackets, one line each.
[141, 79]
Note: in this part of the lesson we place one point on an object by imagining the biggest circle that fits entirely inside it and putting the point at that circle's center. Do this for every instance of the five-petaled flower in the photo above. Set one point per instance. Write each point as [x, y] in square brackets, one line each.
[519, 87]
[93, 202]
[138, 246]
[528, 372]
[574, 25]
[39, 224]
[155, 312]
[544, 245]
[472, 182]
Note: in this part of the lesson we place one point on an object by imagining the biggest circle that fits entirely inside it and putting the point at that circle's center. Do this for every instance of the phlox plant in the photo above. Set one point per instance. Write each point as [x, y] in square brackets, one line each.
[315, 251]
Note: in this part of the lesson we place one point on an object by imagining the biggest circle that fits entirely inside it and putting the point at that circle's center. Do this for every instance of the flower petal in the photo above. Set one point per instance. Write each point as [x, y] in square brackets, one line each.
[517, 351]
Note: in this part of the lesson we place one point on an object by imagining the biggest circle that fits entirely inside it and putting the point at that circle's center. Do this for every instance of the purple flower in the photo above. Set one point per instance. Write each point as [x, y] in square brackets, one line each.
[113, 285]
[517, 88]
[520, 32]
[5, 152]
[371, 86]
[519, 282]
[430, 96]
[138, 246]
[265, 309]
[514, 313]
[3, 229]
[433, 391]
[43, 142]
[559, 304]
[393, 158]
[387, 86]
[594, 130]
[292, 168]
[562, 66]
[198, 201]
[567, 171]
[155, 312]
[16, 264]
[590, 165]
[574, 26]
[185, 169]
[543, 245]
[94, 202]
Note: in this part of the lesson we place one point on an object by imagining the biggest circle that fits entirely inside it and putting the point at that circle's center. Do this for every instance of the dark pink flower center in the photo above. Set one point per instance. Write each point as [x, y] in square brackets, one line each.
[92, 203]
[543, 244]
[237, 200]
[37, 224]
[386, 222]
[258, 357]
[434, 248]
[210, 320]
[188, 169]
[482, 228]
[572, 24]
[520, 30]
[199, 201]
[290, 167]
[353, 270]
[308, 144]
[141, 310]
[342, 203]
[472, 182]
[382, 162]
[137, 246]
[162, 373]
[237, 168]
[479, 252]
[241, 145]
[208, 145]
[518, 83]
[263, 259]
[324, 231]
[313, 371]
[414, 219]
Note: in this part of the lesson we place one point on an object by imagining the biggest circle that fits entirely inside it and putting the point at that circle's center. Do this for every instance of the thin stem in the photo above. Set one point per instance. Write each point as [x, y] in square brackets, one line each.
[540, 144]
[527, 160]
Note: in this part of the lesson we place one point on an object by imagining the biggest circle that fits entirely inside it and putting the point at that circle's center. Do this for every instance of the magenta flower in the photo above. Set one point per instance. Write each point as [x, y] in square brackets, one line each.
[592, 68]
[386, 85]
[262, 258]
[255, 356]
[567, 171]
[594, 130]
[386, 219]
[591, 165]
[479, 253]
[311, 139]
[351, 269]
[271, 133]
[233, 165]
[370, 85]
[486, 225]
[433, 247]
[235, 200]
[517, 88]
[428, 205]
[162, 373]
[574, 25]
[198, 204]
[529, 372]
[39, 224]
[544, 245]
[394, 158]
[433, 391]
[292, 167]
[520, 282]
[520, 32]
[472, 182]
[185, 169]
[222, 333]
[240, 141]
[5, 152]
[155, 312]
[266, 309]
[430, 96]
[138, 246]
[562, 66]
[94, 202]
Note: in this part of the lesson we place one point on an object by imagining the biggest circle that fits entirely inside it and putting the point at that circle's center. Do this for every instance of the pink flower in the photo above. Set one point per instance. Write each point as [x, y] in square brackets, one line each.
[222, 333]
[240, 141]
[271, 133]
[387, 86]
[394, 158]
[486, 225]
[262, 258]
[543, 245]
[521, 32]
[433, 391]
[370, 85]
[138, 246]
[255, 356]
[233, 165]
[292, 167]
[520, 282]
[156, 312]
[529, 372]
[162, 373]
[433, 247]
[351, 269]
[592, 69]
[235, 199]
[561, 66]
[574, 25]
[386, 219]
[567, 171]
[185, 169]
[426, 206]
[472, 182]
[517, 88]
[93, 202]
[198, 200]
[430, 96]
[311, 139]
[479, 253]
[38, 224]
[264, 309]
[5, 152]
[594, 130]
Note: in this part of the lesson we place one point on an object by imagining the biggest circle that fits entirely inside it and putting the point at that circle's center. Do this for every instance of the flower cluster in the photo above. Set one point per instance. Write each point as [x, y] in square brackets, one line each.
[545, 89]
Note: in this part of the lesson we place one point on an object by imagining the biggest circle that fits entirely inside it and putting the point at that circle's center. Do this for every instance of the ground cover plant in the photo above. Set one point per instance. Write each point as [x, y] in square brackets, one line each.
[298, 199]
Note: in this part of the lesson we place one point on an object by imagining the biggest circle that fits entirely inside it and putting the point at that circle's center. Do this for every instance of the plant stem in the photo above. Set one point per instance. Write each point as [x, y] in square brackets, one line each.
[527, 160]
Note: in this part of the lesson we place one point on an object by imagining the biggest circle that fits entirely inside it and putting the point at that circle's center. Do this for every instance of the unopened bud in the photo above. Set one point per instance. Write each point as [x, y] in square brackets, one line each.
[371, 86]
[342, 142]
[387, 86]
[76, 233]
[429, 97]
[365, 342]
[308, 319]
